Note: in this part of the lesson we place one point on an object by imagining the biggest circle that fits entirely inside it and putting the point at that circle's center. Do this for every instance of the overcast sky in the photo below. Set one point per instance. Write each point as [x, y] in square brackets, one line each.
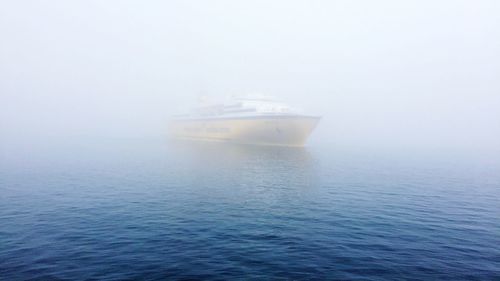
[416, 73]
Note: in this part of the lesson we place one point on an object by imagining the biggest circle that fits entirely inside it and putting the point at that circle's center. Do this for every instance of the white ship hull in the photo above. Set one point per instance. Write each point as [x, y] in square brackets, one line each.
[282, 130]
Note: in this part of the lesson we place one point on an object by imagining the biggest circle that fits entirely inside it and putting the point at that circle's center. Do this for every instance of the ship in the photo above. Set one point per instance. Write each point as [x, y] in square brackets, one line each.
[249, 119]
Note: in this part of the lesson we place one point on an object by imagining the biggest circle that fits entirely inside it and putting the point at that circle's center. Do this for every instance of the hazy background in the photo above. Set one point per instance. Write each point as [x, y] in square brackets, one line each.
[410, 74]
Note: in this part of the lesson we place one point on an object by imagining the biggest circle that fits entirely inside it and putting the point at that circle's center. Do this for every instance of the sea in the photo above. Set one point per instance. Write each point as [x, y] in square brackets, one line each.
[153, 209]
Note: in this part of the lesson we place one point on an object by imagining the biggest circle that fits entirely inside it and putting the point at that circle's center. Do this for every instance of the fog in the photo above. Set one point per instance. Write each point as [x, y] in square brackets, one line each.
[411, 74]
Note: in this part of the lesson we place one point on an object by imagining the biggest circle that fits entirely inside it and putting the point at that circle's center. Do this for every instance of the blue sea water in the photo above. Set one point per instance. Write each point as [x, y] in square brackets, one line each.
[154, 210]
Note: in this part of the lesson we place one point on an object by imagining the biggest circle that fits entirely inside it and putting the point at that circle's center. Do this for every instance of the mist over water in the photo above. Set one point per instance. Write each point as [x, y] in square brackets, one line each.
[409, 74]
[399, 180]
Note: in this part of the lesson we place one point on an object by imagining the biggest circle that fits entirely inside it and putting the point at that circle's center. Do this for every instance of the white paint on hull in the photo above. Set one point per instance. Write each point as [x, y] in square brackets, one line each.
[283, 130]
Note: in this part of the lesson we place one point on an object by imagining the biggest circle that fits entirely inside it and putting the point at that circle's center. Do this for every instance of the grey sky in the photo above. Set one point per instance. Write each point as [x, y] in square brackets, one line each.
[417, 73]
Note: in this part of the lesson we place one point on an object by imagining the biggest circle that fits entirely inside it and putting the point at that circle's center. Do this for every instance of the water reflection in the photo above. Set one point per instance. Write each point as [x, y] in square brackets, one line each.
[246, 165]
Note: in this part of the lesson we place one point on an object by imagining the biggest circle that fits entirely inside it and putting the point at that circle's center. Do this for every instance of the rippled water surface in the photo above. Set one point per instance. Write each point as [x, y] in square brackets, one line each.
[157, 210]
